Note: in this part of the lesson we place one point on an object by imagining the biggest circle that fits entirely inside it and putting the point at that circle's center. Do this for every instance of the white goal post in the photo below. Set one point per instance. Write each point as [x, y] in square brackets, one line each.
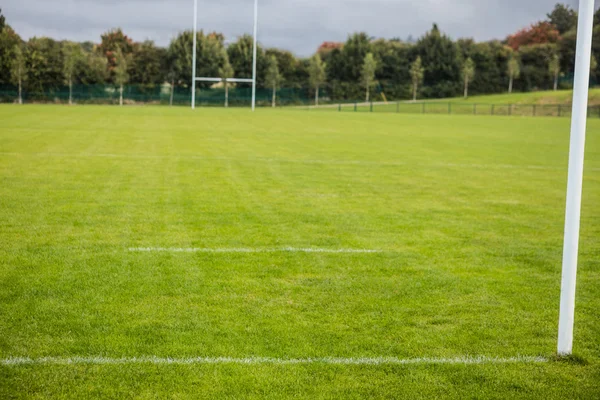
[575, 176]
[210, 79]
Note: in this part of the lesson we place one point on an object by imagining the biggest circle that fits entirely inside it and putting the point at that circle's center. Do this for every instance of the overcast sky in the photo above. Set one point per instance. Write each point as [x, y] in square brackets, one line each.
[296, 25]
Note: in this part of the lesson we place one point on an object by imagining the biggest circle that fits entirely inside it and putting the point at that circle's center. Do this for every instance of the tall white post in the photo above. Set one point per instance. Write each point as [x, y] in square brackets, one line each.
[194, 55]
[254, 55]
[575, 179]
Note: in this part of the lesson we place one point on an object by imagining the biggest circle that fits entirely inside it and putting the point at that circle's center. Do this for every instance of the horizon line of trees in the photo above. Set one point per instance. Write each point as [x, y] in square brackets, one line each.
[433, 66]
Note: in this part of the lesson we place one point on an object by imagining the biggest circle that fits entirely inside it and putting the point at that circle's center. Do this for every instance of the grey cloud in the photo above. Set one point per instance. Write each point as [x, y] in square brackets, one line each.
[296, 25]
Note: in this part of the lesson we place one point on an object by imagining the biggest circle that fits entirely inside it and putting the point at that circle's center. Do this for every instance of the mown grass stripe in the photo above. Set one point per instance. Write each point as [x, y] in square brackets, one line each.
[98, 360]
[297, 161]
[247, 250]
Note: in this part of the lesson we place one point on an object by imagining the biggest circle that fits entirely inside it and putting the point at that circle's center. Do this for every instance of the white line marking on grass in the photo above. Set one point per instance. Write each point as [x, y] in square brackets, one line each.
[298, 161]
[247, 250]
[98, 360]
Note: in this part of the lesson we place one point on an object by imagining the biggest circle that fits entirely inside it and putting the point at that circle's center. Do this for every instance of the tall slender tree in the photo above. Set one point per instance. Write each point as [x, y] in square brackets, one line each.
[316, 73]
[226, 72]
[120, 70]
[111, 43]
[368, 73]
[18, 70]
[468, 72]
[554, 68]
[513, 70]
[8, 40]
[2, 21]
[72, 54]
[171, 74]
[273, 77]
[563, 17]
[416, 74]
[177, 59]
[441, 60]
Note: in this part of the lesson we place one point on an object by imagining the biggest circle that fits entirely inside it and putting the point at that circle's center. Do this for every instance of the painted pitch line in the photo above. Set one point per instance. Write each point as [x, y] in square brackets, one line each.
[247, 250]
[299, 161]
[99, 360]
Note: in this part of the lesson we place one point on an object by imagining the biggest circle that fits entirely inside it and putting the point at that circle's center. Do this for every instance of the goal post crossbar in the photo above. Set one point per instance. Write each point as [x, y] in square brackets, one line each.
[206, 79]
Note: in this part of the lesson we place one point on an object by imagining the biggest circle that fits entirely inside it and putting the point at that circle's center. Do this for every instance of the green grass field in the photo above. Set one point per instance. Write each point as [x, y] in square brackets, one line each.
[464, 215]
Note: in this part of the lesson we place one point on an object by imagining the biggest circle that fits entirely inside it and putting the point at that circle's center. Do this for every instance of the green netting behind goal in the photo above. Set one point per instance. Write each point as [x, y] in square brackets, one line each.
[161, 94]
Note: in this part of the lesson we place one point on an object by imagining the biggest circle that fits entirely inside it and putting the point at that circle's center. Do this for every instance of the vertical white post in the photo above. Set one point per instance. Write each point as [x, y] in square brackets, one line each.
[254, 55]
[194, 55]
[575, 179]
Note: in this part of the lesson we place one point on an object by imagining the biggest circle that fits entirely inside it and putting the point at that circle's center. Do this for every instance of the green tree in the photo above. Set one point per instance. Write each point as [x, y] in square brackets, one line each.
[368, 73]
[18, 70]
[240, 57]
[344, 66]
[120, 72]
[334, 72]
[173, 68]
[535, 74]
[316, 74]
[468, 72]
[440, 59]
[226, 72]
[301, 73]
[490, 58]
[147, 64]
[353, 54]
[595, 43]
[273, 77]
[593, 66]
[554, 68]
[72, 55]
[93, 69]
[287, 64]
[44, 60]
[2, 21]
[563, 18]
[393, 66]
[180, 59]
[416, 74]
[209, 57]
[112, 42]
[513, 70]
[566, 50]
[8, 40]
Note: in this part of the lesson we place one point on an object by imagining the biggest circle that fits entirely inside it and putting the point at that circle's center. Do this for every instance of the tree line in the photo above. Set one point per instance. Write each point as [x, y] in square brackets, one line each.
[540, 56]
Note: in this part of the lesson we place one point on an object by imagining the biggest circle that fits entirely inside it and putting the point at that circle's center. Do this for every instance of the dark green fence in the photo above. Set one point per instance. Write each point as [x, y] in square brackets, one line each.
[140, 94]
[241, 97]
[459, 108]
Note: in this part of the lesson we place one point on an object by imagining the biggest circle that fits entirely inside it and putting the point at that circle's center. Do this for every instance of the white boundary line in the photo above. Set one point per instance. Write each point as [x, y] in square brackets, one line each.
[99, 360]
[247, 250]
[299, 161]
